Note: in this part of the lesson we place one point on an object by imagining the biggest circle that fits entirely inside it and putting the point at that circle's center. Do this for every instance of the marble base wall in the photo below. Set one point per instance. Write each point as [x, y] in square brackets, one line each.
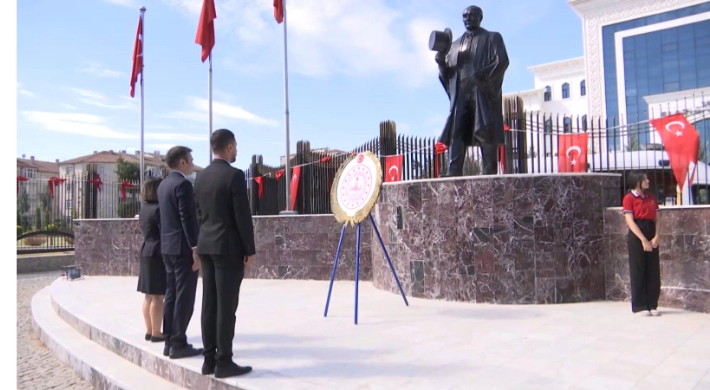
[684, 253]
[504, 239]
[288, 247]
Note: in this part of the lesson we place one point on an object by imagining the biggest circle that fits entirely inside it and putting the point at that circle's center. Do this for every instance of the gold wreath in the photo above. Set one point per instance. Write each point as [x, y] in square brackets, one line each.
[360, 216]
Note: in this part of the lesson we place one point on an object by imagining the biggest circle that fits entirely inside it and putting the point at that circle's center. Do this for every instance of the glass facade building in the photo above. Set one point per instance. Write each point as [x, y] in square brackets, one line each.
[675, 57]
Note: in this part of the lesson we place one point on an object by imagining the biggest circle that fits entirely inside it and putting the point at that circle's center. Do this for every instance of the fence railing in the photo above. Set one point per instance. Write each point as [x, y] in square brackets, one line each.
[52, 204]
[533, 144]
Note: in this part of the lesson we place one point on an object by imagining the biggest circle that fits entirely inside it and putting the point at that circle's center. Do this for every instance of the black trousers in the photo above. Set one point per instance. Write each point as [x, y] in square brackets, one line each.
[464, 121]
[221, 279]
[179, 298]
[644, 269]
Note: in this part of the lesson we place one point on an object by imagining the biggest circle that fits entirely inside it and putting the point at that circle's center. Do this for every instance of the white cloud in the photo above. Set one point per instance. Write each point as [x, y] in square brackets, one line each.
[329, 37]
[67, 106]
[23, 91]
[74, 123]
[98, 99]
[96, 126]
[99, 70]
[124, 3]
[199, 108]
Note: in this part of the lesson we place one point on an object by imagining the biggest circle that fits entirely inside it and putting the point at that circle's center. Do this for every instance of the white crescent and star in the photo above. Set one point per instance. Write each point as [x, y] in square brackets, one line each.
[677, 133]
[396, 171]
[573, 148]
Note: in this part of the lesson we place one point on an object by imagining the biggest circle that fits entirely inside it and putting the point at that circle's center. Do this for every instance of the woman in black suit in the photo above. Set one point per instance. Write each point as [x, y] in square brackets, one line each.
[152, 278]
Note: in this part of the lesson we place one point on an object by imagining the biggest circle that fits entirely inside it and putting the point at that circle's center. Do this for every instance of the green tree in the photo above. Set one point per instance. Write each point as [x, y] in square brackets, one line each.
[38, 218]
[127, 170]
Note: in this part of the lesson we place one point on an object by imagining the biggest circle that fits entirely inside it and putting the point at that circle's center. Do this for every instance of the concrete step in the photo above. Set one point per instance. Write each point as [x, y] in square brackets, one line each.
[100, 367]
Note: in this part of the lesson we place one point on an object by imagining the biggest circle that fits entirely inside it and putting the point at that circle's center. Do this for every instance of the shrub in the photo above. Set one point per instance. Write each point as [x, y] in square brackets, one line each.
[128, 209]
[38, 218]
[19, 230]
[52, 227]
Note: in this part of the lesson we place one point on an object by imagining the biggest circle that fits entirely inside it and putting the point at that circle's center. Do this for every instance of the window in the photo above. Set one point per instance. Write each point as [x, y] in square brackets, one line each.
[68, 206]
[583, 88]
[548, 125]
[565, 91]
[568, 125]
[548, 93]
[29, 172]
[69, 171]
[101, 171]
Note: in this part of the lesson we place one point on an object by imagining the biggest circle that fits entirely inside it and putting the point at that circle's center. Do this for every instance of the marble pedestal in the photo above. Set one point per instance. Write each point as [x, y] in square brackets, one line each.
[516, 239]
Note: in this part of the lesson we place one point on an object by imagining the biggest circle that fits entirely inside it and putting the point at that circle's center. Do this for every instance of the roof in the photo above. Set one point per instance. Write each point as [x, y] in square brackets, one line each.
[40, 166]
[111, 157]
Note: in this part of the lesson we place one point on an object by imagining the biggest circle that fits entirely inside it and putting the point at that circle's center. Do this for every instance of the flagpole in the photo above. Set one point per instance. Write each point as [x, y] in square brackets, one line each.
[142, 168]
[209, 93]
[287, 169]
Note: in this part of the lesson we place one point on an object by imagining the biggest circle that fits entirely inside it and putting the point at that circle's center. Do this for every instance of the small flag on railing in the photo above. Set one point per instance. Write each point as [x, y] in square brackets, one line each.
[294, 185]
[279, 173]
[572, 152]
[19, 179]
[439, 149]
[260, 182]
[125, 184]
[393, 165]
[97, 181]
[53, 182]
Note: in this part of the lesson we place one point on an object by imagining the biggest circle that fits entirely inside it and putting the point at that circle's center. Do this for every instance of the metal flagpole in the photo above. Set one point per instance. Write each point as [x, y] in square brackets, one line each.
[142, 168]
[209, 93]
[287, 170]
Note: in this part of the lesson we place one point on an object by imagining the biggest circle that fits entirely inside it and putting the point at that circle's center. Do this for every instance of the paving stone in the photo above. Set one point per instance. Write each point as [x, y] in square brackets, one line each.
[37, 367]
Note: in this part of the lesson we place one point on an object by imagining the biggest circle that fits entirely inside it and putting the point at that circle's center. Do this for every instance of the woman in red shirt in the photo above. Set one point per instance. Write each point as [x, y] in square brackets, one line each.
[640, 208]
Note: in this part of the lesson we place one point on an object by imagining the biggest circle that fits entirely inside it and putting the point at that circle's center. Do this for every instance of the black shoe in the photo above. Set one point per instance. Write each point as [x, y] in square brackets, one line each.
[208, 367]
[166, 349]
[232, 369]
[183, 352]
[147, 337]
[157, 339]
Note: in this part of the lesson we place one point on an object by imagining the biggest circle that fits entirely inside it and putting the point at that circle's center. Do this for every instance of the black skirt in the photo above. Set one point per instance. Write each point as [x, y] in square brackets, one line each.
[152, 277]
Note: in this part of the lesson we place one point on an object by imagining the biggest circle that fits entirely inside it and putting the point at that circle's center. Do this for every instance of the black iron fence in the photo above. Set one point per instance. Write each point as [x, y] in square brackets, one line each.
[534, 143]
[47, 207]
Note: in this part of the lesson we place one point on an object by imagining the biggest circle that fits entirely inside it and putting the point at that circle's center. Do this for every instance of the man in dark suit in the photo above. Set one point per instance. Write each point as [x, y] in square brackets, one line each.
[179, 231]
[226, 247]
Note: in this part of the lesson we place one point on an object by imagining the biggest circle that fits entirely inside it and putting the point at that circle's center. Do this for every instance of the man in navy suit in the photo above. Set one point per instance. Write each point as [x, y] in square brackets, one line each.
[179, 231]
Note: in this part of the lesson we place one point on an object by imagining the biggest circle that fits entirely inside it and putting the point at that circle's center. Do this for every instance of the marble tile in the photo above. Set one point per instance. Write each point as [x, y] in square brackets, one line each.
[684, 255]
[522, 239]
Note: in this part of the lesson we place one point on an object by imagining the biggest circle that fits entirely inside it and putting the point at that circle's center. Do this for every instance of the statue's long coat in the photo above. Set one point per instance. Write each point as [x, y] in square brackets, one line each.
[489, 61]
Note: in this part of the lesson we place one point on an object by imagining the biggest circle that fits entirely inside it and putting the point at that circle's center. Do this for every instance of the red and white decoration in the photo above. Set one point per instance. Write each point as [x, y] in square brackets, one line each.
[682, 143]
[357, 185]
[572, 152]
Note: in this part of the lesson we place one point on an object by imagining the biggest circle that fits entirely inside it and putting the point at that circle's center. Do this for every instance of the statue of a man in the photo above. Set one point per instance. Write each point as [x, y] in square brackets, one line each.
[472, 74]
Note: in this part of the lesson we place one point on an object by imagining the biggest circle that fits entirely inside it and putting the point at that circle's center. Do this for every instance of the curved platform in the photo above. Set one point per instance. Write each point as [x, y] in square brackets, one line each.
[431, 344]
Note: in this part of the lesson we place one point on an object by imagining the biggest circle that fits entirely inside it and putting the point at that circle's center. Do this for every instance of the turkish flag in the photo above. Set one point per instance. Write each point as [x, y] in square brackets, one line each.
[53, 182]
[393, 166]
[260, 182]
[205, 30]
[294, 185]
[681, 141]
[279, 173]
[501, 152]
[125, 184]
[279, 11]
[572, 152]
[137, 57]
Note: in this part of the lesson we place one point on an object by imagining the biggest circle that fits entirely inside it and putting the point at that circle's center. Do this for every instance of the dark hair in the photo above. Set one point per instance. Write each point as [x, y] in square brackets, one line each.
[220, 139]
[634, 179]
[149, 192]
[175, 154]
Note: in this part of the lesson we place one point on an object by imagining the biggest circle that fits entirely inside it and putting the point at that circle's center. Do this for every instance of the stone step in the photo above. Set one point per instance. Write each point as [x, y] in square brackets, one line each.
[100, 367]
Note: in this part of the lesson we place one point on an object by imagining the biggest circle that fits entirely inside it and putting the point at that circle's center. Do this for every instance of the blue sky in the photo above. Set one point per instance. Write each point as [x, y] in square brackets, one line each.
[352, 64]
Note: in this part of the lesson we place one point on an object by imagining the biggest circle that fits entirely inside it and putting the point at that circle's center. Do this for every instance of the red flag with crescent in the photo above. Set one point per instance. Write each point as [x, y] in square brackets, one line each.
[393, 168]
[682, 143]
[572, 152]
[137, 57]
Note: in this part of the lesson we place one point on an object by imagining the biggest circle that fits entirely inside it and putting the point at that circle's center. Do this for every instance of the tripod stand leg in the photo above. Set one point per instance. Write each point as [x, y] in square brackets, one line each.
[335, 268]
[387, 256]
[357, 269]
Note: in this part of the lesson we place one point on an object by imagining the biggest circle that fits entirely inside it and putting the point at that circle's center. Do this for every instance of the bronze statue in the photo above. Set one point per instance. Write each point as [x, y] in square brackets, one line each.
[471, 69]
